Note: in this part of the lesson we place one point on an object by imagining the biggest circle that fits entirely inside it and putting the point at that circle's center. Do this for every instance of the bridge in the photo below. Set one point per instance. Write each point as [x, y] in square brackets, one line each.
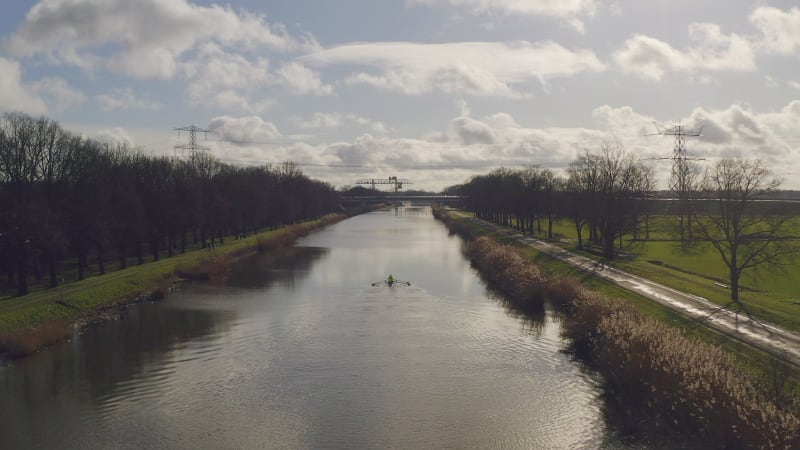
[355, 200]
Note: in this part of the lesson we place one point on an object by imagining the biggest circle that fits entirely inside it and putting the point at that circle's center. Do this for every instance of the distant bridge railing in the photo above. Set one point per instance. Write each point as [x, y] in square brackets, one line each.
[414, 199]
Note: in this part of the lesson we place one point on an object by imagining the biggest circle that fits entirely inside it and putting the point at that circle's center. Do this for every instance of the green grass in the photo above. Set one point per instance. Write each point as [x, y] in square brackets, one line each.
[769, 294]
[751, 359]
[85, 296]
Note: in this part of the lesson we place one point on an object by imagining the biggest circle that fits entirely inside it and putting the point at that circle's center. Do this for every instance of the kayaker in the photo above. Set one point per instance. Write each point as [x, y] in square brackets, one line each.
[390, 280]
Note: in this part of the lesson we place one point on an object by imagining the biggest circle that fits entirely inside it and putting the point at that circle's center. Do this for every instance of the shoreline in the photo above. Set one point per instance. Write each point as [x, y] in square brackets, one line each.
[57, 314]
[689, 386]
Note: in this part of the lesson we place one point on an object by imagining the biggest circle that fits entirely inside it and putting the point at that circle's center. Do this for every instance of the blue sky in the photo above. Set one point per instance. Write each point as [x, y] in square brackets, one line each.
[430, 90]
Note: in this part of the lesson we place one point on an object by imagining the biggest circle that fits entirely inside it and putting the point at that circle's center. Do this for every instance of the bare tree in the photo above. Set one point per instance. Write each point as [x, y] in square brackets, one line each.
[743, 230]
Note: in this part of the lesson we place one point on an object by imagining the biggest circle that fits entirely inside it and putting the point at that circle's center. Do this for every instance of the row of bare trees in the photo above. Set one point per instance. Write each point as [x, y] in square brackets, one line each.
[64, 199]
[609, 194]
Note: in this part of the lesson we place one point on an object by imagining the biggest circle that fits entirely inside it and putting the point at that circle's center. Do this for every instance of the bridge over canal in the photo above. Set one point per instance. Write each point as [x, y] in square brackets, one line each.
[355, 200]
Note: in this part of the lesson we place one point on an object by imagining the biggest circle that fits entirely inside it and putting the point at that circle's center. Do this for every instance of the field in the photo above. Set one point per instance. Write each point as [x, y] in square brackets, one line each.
[771, 294]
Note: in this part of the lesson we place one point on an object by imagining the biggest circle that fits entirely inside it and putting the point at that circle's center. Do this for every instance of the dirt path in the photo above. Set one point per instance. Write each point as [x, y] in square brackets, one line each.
[775, 340]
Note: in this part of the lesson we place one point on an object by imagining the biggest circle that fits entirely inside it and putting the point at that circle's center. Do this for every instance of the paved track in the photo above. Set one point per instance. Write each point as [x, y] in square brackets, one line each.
[770, 338]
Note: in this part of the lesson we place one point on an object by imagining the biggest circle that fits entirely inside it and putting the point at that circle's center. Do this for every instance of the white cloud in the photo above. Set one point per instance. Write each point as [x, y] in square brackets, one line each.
[124, 100]
[338, 120]
[712, 51]
[144, 38]
[468, 146]
[114, 137]
[569, 10]
[59, 94]
[220, 79]
[14, 95]
[302, 80]
[793, 84]
[243, 130]
[779, 29]
[474, 68]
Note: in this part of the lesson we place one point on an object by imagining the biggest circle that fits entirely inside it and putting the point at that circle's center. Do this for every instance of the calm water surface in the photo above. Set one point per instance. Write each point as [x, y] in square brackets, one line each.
[301, 351]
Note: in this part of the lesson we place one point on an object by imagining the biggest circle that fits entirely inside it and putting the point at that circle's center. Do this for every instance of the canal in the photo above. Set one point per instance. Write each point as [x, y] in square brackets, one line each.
[300, 350]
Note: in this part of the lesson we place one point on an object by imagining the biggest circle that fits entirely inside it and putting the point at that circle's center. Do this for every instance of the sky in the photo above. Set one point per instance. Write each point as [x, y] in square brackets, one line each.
[433, 91]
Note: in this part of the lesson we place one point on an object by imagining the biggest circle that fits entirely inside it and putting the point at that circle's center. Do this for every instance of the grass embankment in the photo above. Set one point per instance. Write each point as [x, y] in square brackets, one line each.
[767, 293]
[41, 318]
[686, 384]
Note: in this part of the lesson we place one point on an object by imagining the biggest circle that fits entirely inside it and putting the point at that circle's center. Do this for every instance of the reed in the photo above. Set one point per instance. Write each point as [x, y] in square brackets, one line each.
[453, 227]
[688, 385]
[28, 341]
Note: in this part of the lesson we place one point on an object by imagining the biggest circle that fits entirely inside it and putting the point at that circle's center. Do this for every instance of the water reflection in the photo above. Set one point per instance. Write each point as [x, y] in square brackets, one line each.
[287, 267]
[301, 351]
[532, 317]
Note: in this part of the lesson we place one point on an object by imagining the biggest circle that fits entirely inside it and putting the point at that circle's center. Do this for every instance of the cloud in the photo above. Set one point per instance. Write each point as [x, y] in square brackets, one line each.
[713, 50]
[470, 131]
[569, 10]
[243, 130]
[466, 146]
[302, 80]
[779, 29]
[114, 137]
[793, 84]
[58, 93]
[338, 120]
[144, 38]
[124, 100]
[220, 79]
[14, 95]
[474, 68]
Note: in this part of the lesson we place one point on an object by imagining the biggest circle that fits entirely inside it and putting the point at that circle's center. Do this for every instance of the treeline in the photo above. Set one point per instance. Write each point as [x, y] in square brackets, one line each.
[606, 194]
[610, 194]
[65, 199]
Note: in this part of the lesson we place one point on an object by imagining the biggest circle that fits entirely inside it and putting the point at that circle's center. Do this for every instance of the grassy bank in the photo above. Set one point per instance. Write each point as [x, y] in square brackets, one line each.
[697, 268]
[41, 318]
[683, 380]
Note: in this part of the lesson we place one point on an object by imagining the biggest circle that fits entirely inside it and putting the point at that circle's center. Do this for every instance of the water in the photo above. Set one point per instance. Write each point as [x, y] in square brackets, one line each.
[301, 351]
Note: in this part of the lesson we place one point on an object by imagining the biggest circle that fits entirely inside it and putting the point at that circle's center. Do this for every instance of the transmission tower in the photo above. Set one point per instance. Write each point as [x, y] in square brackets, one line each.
[679, 153]
[683, 178]
[192, 146]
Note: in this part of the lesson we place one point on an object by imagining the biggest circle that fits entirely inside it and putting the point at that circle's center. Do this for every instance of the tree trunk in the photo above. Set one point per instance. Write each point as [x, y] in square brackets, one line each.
[123, 264]
[101, 267]
[22, 273]
[37, 271]
[579, 230]
[608, 246]
[183, 241]
[139, 253]
[51, 268]
[735, 285]
[155, 244]
[81, 265]
[735, 274]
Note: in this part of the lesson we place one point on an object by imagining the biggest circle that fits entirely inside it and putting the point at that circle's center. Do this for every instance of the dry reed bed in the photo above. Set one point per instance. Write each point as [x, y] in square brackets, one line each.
[687, 384]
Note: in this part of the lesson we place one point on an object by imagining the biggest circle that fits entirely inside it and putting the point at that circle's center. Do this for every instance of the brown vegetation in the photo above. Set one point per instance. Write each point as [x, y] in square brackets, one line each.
[29, 341]
[686, 384]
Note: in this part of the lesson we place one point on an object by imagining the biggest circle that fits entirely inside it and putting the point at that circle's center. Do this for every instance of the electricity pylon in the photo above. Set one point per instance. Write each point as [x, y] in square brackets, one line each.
[683, 179]
[193, 146]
